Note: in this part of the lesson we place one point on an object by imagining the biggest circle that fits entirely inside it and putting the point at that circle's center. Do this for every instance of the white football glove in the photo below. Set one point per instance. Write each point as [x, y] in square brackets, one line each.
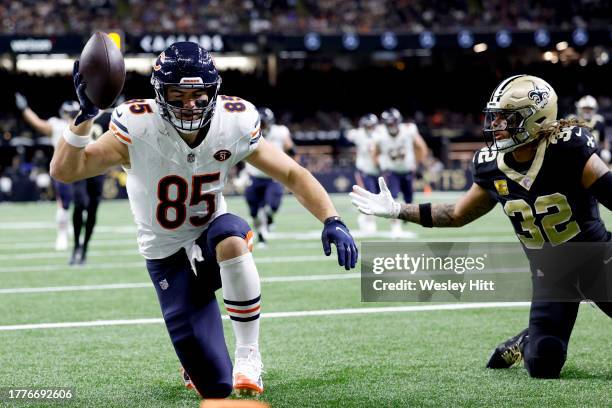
[380, 205]
[605, 155]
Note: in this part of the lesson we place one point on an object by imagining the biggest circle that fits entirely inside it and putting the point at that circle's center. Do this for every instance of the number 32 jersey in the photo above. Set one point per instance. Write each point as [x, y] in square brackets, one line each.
[545, 200]
[175, 191]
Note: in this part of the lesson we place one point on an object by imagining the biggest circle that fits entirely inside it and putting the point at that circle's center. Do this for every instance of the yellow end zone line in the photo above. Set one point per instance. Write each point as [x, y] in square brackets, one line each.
[277, 315]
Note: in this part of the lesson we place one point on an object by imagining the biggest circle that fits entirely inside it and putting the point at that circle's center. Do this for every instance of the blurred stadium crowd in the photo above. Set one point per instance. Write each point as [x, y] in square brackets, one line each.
[293, 16]
[319, 97]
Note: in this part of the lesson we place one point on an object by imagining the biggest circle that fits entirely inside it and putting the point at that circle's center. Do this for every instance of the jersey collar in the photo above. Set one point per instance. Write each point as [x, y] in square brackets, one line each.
[525, 180]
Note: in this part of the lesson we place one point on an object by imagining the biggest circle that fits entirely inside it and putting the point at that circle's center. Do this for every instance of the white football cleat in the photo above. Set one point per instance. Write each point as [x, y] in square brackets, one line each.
[247, 372]
[61, 243]
[396, 229]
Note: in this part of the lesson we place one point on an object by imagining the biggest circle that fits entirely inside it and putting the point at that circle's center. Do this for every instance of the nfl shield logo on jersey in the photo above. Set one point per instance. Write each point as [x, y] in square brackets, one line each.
[502, 187]
[163, 284]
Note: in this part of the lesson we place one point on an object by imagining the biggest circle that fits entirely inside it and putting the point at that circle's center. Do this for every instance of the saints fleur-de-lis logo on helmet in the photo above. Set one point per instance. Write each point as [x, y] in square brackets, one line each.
[539, 96]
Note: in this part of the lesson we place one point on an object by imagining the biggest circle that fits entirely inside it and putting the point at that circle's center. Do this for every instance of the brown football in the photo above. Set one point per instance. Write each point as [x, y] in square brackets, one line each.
[103, 70]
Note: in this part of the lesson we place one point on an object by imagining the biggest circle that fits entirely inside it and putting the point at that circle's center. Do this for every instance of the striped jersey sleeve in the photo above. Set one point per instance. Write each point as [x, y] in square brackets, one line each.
[118, 125]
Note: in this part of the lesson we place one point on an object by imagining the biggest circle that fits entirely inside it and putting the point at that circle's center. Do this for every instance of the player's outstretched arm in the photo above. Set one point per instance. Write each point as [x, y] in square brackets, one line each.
[278, 165]
[472, 205]
[597, 178]
[311, 194]
[71, 163]
[41, 125]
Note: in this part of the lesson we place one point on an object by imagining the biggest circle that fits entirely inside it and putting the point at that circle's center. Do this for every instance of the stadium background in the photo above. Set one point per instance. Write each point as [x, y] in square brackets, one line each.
[319, 65]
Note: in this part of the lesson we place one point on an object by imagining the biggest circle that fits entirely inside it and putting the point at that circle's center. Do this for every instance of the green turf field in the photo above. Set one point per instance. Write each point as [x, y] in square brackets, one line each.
[386, 358]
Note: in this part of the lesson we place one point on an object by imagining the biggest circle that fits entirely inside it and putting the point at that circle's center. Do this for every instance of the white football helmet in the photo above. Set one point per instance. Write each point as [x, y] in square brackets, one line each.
[586, 107]
[523, 105]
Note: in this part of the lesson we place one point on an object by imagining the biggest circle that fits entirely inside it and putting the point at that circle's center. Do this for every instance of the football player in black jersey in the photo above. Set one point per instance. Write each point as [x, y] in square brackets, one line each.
[586, 109]
[548, 179]
[87, 197]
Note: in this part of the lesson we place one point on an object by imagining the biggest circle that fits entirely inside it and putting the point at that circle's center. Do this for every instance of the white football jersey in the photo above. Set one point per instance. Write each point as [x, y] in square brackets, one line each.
[57, 128]
[176, 191]
[364, 141]
[277, 135]
[396, 153]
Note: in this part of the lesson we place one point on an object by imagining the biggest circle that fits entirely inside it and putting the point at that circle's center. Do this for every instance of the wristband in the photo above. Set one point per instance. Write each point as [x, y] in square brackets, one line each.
[332, 219]
[425, 215]
[75, 140]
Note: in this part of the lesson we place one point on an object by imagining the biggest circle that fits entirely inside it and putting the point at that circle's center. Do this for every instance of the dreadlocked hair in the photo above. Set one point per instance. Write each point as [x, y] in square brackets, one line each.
[556, 127]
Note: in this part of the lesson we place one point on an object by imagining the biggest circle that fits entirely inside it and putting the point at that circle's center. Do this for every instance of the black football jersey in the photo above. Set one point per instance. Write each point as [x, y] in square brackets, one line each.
[544, 199]
[100, 124]
[598, 128]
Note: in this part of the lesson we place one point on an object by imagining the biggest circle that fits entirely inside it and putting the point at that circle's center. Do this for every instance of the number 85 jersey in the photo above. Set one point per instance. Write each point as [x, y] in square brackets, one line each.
[544, 199]
[175, 190]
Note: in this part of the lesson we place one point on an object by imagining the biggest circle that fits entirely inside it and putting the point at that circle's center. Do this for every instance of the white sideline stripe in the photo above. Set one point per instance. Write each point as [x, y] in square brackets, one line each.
[128, 265]
[273, 315]
[138, 285]
[48, 245]
[276, 245]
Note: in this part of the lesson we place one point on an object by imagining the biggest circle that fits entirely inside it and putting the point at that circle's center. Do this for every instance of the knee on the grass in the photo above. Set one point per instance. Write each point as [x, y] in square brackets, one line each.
[545, 357]
[218, 390]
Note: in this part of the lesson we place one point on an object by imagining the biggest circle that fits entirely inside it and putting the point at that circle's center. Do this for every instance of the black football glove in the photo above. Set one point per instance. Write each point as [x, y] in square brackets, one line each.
[88, 109]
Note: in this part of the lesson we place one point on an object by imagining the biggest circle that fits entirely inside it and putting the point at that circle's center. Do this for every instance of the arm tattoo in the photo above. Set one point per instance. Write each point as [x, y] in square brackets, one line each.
[410, 213]
[443, 215]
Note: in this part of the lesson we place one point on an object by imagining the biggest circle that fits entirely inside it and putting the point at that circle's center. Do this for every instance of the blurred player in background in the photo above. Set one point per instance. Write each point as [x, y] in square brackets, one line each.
[178, 150]
[53, 128]
[264, 194]
[548, 178]
[586, 110]
[398, 149]
[367, 170]
[87, 196]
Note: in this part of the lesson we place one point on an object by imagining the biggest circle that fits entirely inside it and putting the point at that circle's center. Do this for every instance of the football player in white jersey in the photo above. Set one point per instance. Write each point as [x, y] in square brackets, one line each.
[367, 169]
[586, 109]
[177, 150]
[264, 194]
[53, 128]
[398, 149]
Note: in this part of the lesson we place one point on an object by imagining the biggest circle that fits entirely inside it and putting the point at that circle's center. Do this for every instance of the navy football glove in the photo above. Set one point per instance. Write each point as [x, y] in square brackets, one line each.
[88, 109]
[335, 232]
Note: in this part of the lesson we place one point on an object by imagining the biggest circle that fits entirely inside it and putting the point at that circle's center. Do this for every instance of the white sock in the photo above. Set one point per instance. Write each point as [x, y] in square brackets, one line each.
[61, 218]
[242, 294]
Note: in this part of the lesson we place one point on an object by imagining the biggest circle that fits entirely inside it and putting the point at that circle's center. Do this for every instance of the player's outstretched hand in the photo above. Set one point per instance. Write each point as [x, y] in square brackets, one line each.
[381, 205]
[88, 109]
[335, 232]
[20, 101]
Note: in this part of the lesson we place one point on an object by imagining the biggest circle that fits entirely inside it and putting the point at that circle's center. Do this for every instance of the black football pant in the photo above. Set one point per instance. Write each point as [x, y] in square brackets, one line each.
[551, 322]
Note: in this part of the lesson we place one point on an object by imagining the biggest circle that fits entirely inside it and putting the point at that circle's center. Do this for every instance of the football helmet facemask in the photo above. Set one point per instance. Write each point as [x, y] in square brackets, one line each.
[392, 119]
[522, 105]
[267, 117]
[186, 66]
[69, 109]
[368, 121]
[586, 107]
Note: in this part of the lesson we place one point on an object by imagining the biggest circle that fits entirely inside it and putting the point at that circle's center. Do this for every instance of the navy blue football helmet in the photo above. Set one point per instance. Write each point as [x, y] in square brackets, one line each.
[368, 121]
[267, 117]
[391, 117]
[69, 109]
[186, 65]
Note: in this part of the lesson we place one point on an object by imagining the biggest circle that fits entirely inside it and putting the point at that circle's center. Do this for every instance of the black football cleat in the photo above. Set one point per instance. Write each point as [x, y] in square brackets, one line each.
[509, 352]
[76, 256]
